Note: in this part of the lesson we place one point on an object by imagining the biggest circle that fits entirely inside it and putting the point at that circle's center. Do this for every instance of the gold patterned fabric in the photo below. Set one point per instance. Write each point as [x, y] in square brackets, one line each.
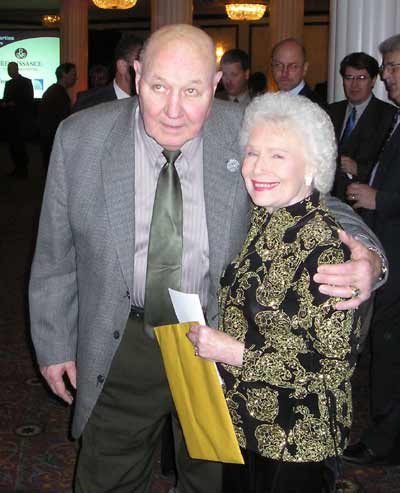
[291, 399]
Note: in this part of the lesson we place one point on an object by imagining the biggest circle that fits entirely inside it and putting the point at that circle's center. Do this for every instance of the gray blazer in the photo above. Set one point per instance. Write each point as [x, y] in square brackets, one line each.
[83, 267]
[84, 262]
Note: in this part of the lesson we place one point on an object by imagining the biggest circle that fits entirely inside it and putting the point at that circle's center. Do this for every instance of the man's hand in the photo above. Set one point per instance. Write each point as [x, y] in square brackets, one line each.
[53, 375]
[348, 165]
[360, 273]
[362, 195]
[216, 345]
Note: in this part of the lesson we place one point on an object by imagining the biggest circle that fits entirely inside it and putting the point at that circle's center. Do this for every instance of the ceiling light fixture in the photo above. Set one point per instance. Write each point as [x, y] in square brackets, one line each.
[50, 20]
[245, 11]
[115, 4]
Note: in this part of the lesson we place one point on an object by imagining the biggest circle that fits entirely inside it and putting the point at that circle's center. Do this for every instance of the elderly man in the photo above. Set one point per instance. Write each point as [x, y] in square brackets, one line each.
[139, 198]
[362, 122]
[289, 67]
[380, 204]
[235, 77]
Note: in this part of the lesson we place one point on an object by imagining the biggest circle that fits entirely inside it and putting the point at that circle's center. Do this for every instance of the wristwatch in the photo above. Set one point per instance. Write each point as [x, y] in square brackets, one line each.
[384, 264]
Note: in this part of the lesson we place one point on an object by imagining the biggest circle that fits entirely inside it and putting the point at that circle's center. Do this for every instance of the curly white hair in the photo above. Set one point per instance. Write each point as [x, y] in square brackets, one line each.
[298, 115]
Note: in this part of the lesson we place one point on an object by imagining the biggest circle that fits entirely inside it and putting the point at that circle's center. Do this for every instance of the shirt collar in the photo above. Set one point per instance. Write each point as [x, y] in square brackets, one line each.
[121, 94]
[296, 90]
[239, 97]
[359, 107]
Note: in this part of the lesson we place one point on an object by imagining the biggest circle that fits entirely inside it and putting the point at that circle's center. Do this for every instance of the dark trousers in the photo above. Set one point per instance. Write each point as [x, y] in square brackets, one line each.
[119, 441]
[18, 153]
[16, 139]
[262, 475]
[46, 146]
[385, 371]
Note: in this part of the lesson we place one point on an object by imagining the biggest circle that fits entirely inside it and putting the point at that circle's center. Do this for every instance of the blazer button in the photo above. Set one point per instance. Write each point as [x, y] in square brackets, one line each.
[116, 334]
[100, 379]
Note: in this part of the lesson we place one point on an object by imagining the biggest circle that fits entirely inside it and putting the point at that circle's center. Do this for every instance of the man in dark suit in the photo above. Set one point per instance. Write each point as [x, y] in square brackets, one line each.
[235, 77]
[289, 67]
[54, 107]
[380, 203]
[18, 102]
[123, 85]
[362, 122]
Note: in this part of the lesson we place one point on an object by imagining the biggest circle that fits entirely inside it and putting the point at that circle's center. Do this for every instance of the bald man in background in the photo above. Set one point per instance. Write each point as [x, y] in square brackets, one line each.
[289, 67]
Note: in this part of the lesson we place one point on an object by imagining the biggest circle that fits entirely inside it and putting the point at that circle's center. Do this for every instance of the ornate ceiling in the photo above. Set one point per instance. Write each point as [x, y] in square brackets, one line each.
[29, 11]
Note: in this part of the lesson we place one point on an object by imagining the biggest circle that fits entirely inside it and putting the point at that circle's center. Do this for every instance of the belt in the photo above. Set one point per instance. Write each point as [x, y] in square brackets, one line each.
[136, 313]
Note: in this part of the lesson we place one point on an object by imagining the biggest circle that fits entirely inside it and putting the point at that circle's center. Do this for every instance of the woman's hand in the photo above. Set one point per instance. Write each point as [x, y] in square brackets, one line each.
[216, 345]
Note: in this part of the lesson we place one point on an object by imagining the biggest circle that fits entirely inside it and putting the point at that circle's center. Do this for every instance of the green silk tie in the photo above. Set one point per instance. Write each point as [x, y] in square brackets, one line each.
[164, 257]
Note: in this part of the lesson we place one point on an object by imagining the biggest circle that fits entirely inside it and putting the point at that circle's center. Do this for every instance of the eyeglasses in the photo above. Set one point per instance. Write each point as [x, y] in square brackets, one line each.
[360, 78]
[290, 67]
[390, 67]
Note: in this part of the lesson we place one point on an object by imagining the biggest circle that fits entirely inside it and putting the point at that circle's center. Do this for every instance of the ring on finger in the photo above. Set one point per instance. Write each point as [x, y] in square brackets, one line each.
[353, 197]
[355, 292]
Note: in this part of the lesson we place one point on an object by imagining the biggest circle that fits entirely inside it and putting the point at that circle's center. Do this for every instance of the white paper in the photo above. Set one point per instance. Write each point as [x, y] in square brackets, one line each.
[187, 308]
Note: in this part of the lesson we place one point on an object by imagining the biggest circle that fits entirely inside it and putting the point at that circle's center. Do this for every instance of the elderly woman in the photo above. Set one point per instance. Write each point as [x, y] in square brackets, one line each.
[286, 354]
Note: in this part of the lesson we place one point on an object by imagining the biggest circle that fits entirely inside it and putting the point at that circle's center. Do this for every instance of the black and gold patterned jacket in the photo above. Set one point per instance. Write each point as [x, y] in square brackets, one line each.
[291, 399]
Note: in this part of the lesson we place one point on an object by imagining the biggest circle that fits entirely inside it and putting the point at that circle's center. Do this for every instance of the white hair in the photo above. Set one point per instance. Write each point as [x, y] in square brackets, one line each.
[297, 114]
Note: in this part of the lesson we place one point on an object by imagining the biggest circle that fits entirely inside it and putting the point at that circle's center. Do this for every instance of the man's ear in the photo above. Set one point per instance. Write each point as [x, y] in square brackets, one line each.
[305, 68]
[247, 74]
[138, 71]
[217, 78]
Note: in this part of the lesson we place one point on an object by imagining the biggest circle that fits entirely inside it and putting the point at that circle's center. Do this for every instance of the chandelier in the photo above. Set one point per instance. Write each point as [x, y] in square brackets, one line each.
[50, 20]
[115, 4]
[245, 11]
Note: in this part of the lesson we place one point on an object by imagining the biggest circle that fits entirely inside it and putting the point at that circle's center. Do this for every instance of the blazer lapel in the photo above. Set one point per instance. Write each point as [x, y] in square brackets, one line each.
[118, 169]
[221, 178]
[338, 118]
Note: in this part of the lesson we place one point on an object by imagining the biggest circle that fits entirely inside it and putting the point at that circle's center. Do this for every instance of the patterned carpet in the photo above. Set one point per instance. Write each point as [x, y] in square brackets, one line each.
[36, 453]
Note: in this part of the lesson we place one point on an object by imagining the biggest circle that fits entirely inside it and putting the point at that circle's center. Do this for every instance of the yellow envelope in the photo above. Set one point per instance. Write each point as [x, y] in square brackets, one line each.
[198, 397]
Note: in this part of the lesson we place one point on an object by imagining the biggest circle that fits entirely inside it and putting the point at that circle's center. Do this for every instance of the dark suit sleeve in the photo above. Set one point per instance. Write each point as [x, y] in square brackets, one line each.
[388, 204]
[6, 94]
[82, 101]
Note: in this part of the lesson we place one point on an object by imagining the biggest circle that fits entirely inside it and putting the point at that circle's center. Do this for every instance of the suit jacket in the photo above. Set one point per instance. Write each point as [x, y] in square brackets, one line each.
[19, 91]
[20, 118]
[97, 95]
[385, 220]
[365, 141]
[312, 96]
[83, 266]
[84, 263]
[54, 107]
